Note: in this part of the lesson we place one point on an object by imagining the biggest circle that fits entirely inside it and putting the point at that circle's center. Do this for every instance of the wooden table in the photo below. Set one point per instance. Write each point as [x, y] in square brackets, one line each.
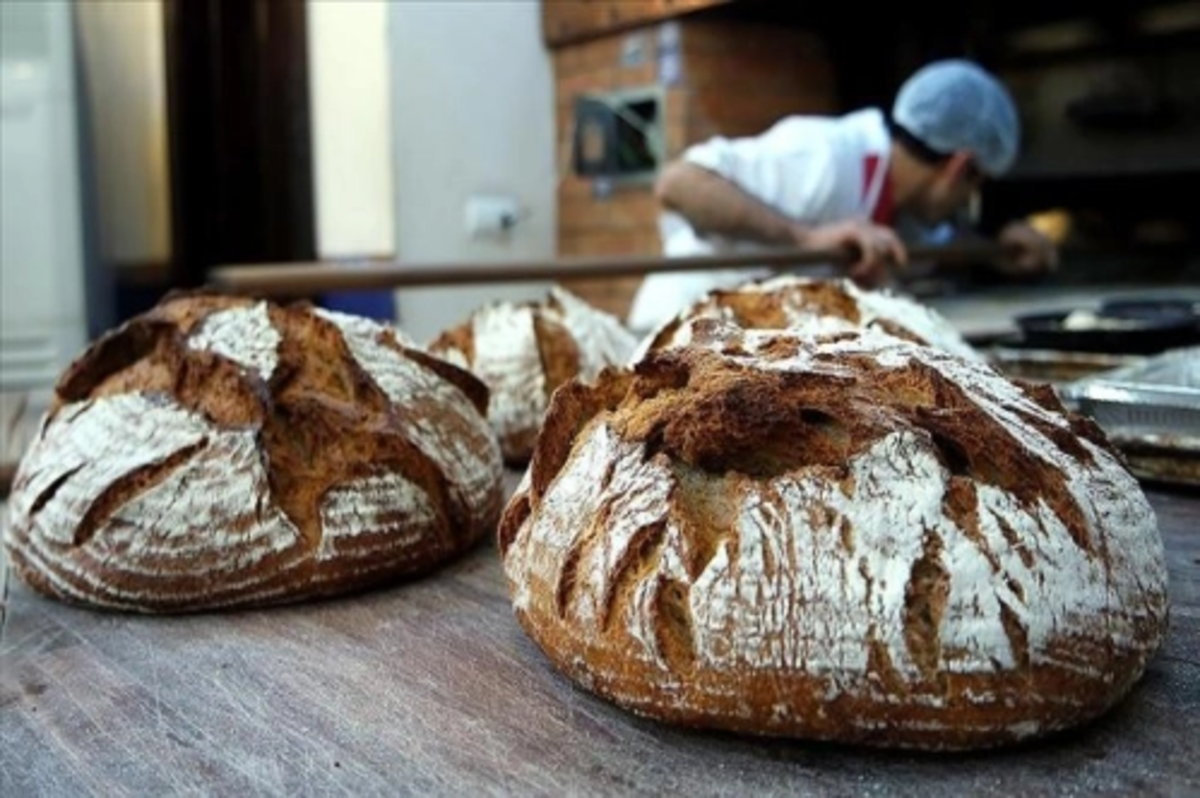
[431, 688]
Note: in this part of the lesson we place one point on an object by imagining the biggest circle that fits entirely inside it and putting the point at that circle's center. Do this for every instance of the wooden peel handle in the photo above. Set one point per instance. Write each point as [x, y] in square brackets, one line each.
[304, 279]
[307, 279]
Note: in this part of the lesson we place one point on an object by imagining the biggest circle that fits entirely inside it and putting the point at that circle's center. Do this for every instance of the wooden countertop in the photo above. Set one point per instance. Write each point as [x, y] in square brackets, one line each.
[431, 688]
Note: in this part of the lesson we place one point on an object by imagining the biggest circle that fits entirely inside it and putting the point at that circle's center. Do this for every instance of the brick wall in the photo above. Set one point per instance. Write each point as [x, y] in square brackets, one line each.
[732, 79]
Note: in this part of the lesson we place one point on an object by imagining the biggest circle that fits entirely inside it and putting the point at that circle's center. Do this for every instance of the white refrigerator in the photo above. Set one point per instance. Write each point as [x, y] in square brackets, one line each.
[43, 280]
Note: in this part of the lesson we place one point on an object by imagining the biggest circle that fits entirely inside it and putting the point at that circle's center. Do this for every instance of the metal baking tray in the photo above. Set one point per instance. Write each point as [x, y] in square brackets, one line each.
[1150, 410]
[1054, 366]
[1165, 410]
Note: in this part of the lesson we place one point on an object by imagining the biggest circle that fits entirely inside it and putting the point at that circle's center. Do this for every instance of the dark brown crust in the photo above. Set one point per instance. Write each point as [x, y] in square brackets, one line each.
[769, 310]
[557, 355]
[457, 338]
[557, 351]
[1070, 701]
[766, 310]
[321, 422]
[474, 388]
[571, 408]
[720, 427]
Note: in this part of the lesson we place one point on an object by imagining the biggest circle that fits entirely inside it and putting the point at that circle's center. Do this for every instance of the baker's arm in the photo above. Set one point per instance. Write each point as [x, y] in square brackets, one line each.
[1034, 252]
[713, 204]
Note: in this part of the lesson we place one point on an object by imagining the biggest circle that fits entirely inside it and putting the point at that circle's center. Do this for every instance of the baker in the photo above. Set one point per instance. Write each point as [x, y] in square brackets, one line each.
[864, 180]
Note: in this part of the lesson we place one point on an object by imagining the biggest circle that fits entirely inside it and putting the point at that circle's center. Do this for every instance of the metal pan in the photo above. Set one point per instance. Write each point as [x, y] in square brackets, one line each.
[1117, 327]
[1151, 411]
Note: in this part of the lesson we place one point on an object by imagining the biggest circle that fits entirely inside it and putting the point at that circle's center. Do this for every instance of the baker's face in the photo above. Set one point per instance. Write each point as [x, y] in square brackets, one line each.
[949, 189]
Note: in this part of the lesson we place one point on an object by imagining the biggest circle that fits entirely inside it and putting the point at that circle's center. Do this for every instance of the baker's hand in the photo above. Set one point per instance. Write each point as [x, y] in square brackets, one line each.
[1034, 252]
[874, 245]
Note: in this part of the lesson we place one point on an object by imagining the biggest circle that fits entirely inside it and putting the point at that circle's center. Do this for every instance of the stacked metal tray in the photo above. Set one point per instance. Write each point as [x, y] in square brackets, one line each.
[1054, 366]
[1150, 410]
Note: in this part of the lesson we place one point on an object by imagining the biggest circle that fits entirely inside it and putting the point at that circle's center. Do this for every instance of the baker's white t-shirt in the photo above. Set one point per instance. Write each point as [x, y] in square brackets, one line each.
[812, 169]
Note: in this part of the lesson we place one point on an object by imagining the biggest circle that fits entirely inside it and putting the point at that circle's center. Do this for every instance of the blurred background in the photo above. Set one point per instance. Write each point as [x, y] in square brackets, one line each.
[143, 142]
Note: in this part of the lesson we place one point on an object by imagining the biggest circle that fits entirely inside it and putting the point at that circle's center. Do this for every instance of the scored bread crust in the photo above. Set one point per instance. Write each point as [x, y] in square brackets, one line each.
[222, 452]
[850, 538]
[524, 350]
[815, 306]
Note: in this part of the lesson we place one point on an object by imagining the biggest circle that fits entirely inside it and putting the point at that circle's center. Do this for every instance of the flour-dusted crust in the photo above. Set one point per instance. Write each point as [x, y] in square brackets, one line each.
[814, 306]
[524, 350]
[220, 452]
[851, 538]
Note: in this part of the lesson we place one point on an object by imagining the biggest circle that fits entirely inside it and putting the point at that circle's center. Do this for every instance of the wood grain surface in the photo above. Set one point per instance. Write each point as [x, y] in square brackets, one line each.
[431, 688]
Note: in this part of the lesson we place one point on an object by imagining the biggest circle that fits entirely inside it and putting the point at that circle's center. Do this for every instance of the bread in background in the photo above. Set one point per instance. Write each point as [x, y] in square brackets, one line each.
[815, 306]
[524, 350]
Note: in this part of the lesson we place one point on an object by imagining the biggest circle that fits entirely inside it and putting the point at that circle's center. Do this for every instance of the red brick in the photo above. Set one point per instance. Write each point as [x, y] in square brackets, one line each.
[627, 211]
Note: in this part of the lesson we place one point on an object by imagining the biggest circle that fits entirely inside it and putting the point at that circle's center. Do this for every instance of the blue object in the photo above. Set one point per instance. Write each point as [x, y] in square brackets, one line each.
[378, 305]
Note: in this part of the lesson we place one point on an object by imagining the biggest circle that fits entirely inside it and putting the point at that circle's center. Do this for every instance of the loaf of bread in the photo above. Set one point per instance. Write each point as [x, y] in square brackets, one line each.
[851, 538]
[815, 306]
[220, 452]
[524, 350]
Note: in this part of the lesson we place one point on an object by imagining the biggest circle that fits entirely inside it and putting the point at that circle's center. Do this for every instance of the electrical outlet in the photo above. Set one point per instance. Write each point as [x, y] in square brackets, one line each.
[491, 216]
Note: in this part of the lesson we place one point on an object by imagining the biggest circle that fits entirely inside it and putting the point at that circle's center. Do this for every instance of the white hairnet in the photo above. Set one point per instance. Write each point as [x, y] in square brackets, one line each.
[957, 105]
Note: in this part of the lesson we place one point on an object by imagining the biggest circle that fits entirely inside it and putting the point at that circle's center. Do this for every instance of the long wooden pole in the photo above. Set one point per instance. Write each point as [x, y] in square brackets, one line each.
[302, 279]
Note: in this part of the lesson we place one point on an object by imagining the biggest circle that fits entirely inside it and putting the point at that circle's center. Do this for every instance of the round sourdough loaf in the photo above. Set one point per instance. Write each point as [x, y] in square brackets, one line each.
[851, 538]
[222, 452]
[524, 350]
[815, 306]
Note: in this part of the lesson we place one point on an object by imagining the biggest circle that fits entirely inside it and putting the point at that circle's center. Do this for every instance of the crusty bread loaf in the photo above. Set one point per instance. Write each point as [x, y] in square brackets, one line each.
[222, 452]
[851, 538]
[815, 306]
[524, 350]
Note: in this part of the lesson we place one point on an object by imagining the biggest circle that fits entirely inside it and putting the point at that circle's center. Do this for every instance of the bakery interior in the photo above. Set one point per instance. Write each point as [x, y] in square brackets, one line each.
[149, 146]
